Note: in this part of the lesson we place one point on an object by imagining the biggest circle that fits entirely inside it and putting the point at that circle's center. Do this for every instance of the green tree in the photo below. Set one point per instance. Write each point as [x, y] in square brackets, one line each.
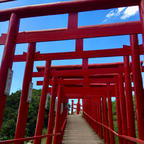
[11, 111]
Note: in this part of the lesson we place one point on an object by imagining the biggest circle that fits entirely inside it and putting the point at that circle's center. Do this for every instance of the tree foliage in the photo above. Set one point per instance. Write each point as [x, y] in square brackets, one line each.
[11, 111]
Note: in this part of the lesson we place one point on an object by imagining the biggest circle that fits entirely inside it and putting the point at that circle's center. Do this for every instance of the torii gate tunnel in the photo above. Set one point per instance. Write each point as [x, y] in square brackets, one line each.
[94, 84]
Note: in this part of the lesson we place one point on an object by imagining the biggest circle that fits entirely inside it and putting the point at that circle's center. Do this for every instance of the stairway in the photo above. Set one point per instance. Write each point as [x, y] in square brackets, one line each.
[78, 131]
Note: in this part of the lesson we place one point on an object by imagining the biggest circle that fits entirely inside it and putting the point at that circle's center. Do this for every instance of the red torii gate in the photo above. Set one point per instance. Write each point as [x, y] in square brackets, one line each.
[97, 66]
[78, 33]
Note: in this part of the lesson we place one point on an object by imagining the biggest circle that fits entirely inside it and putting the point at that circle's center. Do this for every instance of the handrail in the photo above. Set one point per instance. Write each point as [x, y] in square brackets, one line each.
[140, 141]
[64, 122]
[63, 125]
[26, 139]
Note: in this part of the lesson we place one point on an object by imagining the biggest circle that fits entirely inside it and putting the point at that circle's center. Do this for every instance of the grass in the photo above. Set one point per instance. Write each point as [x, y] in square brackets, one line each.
[115, 119]
[44, 133]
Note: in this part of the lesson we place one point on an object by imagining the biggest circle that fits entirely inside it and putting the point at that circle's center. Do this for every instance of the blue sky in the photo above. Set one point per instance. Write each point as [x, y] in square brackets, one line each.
[60, 21]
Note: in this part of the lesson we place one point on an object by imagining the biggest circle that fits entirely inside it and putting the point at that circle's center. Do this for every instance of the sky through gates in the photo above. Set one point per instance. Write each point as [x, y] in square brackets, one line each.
[122, 14]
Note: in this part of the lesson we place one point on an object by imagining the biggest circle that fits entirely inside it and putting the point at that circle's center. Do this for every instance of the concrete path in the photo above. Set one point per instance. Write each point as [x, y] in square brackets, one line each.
[78, 131]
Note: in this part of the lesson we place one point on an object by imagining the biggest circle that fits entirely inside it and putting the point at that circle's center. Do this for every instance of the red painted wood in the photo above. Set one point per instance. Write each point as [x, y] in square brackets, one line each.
[141, 12]
[56, 139]
[110, 113]
[122, 105]
[79, 54]
[104, 30]
[77, 67]
[119, 121]
[102, 71]
[78, 106]
[72, 21]
[90, 92]
[129, 99]
[79, 47]
[72, 107]
[7, 59]
[64, 7]
[138, 84]
[85, 76]
[83, 79]
[131, 139]
[52, 110]
[1, 1]
[41, 113]
[100, 117]
[95, 111]
[105, 120]
[75, 81]
[24, 105]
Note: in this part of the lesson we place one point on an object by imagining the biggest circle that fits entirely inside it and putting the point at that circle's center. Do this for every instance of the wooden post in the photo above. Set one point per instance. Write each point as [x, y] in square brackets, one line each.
[138, 84]
[122, 105]
[129, 99]
[52, 110]
[7, 60]
[24, 103]
[110, 112]
[41, 113]
[105, 120]
[119, 122]
[72, 107]
[56, 139]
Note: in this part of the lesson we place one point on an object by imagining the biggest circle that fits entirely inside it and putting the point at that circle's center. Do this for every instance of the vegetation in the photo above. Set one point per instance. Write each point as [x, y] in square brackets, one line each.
[115, 118]
[11, 111]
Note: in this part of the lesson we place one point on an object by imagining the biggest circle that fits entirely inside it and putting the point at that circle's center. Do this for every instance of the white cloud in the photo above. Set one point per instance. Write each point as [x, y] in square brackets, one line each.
[110, 14]
[119, 10]
[123, 12]
[129, 11]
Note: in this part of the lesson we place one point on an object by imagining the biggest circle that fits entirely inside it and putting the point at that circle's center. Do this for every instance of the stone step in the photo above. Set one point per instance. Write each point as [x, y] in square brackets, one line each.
[78, 131]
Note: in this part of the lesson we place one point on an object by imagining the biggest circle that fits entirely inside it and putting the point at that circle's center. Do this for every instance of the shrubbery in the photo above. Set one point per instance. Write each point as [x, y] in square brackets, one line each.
[10, 115]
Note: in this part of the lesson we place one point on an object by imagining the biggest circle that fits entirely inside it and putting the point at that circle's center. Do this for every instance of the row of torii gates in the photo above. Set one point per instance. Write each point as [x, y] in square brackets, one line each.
[95, 84]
